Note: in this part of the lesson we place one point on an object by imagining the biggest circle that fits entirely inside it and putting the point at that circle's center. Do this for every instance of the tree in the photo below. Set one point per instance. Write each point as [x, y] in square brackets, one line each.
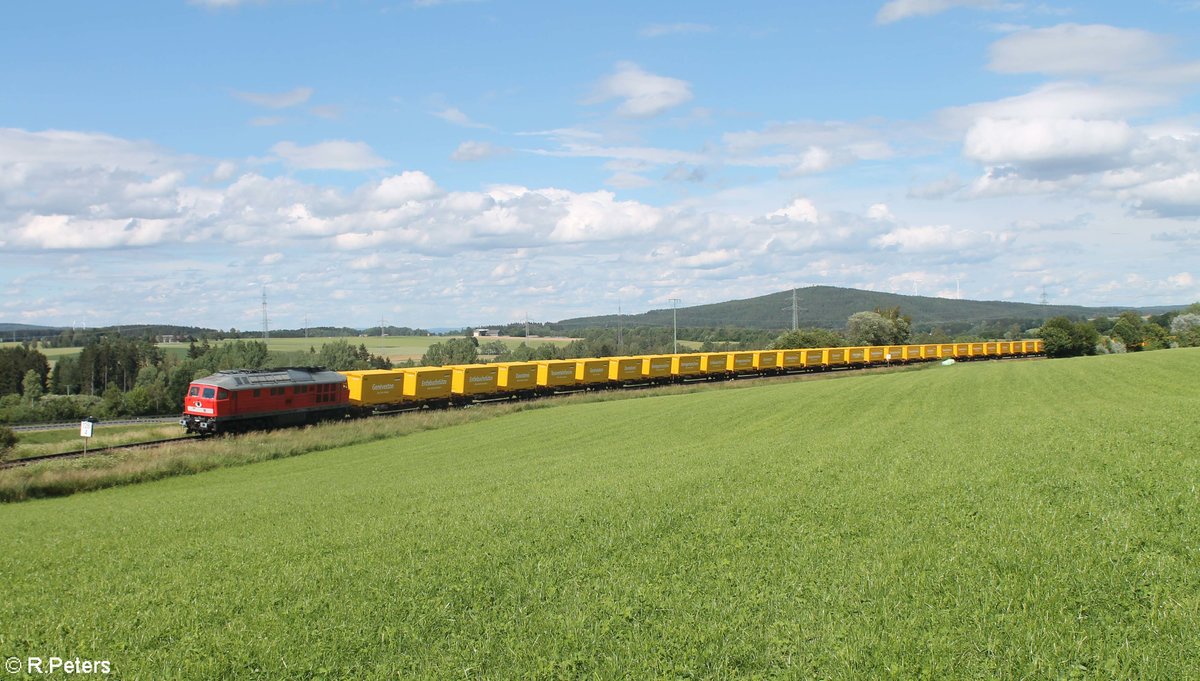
[1186, 328]
[1065, 338]
[871, 328]
[1130, 329]
[808, 338]
[32, 386]
[453, 351]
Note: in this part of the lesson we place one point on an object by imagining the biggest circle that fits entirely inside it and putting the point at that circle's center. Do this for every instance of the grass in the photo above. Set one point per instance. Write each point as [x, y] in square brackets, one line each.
[395, 348]
[998, 520]
[41, 442]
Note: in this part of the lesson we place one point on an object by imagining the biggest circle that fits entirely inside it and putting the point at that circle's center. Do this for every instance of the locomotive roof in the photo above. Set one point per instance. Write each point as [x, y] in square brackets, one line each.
[242, 378]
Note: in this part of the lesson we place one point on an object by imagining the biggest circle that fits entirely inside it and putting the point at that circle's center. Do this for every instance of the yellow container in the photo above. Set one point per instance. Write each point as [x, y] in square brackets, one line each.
[929, 352]
[427, 383]
[876, 354]
[714, 362]
[962, 350]
[790, 359]
[656, 366]
[1039, 347]
[591, 371]
[624, 369]
[555, 373]
[766, 359]
[836, 357]
[991, 349]
[474, 379]
[1006, 348]
[899, 353]
[977, 350]
[375, 387]
[816, 357]
[515, 376]
[856, 355]
[685, 365]
[741, 362]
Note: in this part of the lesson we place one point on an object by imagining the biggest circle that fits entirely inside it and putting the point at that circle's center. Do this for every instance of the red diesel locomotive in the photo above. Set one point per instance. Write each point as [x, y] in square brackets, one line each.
[240, 400]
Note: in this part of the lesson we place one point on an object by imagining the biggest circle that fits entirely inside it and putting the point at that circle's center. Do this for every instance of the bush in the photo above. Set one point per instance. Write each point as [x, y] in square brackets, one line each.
[8, 440]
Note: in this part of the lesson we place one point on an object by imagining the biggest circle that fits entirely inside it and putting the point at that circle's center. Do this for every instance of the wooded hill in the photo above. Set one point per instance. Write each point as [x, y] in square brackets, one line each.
[829, 307]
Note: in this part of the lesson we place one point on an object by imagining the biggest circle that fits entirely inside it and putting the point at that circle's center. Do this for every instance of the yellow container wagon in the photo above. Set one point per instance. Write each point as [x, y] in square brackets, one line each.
[856, 355]
[372, 389]
[816, 358]
[837, 357]
[515, 377]
[656, 368]
[425, 384]
[929, 352]
[741, 362]
[991, 349]
[555, 373]
[591, 371]
[685, 365]
[766, 360]
[876, 354]
[977, 350]
[624, 369]
[714, 363]
[474, 379]
[791, 359]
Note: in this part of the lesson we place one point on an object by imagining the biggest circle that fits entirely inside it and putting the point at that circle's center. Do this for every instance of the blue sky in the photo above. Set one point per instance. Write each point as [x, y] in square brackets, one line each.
[440, 163]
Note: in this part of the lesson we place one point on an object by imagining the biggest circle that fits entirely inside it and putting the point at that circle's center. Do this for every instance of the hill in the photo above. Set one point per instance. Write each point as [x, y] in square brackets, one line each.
[908, 525]
[829, 307]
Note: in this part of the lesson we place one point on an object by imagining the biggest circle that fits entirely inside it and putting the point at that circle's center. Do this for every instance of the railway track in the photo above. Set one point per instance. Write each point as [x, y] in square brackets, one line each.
[30, 460]
[64, 425]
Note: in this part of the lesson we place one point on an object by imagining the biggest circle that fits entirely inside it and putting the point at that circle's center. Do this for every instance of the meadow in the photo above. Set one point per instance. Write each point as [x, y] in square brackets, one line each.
[1005, 519]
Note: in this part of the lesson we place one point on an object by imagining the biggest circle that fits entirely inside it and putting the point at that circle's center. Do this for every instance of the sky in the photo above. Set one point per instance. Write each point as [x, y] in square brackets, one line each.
[434, 163]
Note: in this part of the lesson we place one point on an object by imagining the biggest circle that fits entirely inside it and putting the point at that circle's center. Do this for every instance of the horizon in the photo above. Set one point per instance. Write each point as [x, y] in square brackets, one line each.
[438, 329]
[438, 162]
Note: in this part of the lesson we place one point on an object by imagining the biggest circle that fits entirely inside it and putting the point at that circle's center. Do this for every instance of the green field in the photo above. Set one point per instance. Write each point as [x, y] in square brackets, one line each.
[395, 348]
[1035, 519]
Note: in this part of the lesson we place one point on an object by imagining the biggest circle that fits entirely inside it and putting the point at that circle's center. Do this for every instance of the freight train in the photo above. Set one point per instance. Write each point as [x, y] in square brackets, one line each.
[242, 400]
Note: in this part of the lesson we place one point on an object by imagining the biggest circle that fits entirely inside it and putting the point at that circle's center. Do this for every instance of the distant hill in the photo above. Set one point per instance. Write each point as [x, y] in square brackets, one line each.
[829, 307]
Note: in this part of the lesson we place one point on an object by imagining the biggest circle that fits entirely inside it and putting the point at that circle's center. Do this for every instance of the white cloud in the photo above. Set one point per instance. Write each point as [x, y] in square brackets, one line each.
[659, 30]
[277, 100]
[799, 210]
[1073, 143]
[455, 116]
[477, 151]
[329, 155]
[1174, 197]
[397, 190]
[1075, 50]
[271, 259]
[643, 94]
[895, 10]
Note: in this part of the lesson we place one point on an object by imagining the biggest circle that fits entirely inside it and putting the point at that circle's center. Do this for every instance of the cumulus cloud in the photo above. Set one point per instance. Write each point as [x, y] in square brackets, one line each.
[1072, 144]
[397, 190]
[329, 155]
[276, 100]
[642, 94]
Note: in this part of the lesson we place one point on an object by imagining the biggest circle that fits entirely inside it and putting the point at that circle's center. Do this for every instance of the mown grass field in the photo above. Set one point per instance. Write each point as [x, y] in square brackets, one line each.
[999, 520]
